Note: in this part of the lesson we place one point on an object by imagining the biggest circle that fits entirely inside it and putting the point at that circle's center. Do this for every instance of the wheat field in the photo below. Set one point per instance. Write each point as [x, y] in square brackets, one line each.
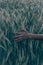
[14, 16]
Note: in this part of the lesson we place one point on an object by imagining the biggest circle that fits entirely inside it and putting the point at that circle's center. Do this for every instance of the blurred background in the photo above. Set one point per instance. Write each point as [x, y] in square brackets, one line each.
[16, 15]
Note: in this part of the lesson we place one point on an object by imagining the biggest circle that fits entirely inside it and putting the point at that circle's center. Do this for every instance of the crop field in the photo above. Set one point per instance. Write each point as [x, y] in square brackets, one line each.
[16, 15]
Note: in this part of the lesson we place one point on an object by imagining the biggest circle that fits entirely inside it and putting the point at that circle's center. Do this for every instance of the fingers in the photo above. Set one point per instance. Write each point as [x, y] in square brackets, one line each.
[18, 38]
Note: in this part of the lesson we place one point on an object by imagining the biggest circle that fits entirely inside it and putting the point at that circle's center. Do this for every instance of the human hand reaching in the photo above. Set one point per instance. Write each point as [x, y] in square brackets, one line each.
[19, 36]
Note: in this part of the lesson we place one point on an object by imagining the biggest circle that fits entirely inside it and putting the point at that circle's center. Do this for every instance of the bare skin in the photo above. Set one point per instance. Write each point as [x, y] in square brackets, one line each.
[25, 35]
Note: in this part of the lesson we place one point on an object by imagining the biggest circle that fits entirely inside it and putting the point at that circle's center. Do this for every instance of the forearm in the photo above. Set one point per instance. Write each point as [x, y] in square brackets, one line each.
[35, 36]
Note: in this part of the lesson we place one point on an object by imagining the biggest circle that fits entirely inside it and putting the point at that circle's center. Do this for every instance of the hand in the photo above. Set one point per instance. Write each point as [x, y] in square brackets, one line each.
[19, 36]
